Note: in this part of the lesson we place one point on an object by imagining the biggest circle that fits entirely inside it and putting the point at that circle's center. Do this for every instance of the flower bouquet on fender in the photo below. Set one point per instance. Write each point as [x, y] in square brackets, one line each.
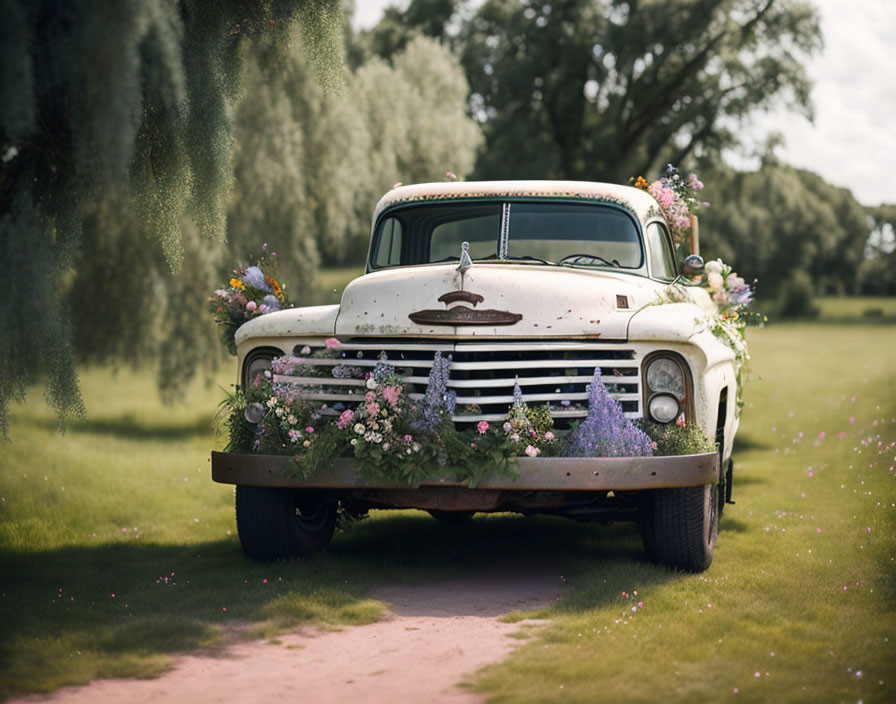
[677, 198]
[252, 291]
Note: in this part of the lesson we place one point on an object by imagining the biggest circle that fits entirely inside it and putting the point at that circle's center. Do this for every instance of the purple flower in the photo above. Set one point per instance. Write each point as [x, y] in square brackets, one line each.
[255, 277]
[438, 400]
[606, 432]
[271, 303]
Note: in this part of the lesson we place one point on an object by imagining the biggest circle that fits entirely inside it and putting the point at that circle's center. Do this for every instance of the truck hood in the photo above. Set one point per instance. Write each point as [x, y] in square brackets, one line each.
[493, 300]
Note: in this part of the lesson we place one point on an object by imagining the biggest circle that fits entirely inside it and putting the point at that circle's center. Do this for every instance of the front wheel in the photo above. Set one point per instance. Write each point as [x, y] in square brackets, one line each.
[277, 523]
[680, 526]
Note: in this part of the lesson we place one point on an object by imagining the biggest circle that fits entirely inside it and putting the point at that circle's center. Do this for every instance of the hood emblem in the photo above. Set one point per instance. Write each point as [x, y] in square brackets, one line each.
[463, 315]
[465, 260]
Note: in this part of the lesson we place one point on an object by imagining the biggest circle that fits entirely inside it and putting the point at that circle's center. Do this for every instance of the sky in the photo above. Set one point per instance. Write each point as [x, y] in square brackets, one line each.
[852, 142]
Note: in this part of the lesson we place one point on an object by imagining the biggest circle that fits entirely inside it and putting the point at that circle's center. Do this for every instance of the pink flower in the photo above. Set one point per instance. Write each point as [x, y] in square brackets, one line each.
[331, 342]
[345, 419]
[309, 430]
[680, 422]
[482, 427]
[450, 176]
[251, 306]
[373, 408]
[549, 436]
[408, 438]
[391, 394]
[532, 451]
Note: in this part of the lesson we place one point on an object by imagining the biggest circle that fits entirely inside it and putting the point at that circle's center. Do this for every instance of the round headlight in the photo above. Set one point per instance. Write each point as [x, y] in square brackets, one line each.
[256, 364]
[254, 413]
[665, 376]
[663, 408]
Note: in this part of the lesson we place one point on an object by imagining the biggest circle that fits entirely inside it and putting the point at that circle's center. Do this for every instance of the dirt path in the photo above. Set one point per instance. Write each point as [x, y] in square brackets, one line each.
[437, 635]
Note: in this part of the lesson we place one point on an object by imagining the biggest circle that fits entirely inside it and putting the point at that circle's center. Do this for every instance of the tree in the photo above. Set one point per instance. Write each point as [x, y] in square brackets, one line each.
[308, 180]
[604, 89]
[789, 228]
[877, 275]
[107, 106]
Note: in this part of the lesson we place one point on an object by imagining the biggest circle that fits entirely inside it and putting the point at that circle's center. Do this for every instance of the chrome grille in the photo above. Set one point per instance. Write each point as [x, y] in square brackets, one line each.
[481, 374]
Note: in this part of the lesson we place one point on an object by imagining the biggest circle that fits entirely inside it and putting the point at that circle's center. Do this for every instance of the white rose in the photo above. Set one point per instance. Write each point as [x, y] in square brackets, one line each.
[715, 281]
[371, 383]
[734, 282]
[713, 267]
[359, 428]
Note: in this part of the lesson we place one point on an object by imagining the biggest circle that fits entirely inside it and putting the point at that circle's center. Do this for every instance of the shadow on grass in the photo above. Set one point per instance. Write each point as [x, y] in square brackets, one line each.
[122, 605]
[744, 442]
[733, 525]
[130, 427]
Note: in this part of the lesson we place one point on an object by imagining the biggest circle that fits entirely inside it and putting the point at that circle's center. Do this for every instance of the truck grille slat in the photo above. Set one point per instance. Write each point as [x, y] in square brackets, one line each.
[553, 372]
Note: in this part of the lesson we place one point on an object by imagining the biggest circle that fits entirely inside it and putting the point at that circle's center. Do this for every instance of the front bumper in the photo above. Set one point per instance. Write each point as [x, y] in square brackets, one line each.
[535, 474]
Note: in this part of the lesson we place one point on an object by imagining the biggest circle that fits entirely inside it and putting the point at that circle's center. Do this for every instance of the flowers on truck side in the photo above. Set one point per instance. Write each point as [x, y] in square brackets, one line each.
[677, 197]
[251, 291]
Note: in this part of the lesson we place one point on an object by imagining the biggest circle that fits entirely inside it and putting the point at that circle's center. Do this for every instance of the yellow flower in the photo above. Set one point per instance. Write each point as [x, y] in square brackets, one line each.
[278, 292]
[236, 283]
[641, 182]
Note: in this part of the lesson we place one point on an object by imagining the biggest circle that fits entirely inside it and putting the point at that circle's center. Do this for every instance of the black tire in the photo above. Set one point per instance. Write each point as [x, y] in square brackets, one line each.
[276, 524]
[680, 526]
[451, 518]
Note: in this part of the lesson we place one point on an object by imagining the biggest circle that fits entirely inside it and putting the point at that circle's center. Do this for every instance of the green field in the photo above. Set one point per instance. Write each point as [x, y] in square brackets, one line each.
[117, 551]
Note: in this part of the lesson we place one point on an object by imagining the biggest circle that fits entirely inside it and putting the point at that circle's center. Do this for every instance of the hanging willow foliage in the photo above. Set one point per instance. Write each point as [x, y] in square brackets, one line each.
[115, 113]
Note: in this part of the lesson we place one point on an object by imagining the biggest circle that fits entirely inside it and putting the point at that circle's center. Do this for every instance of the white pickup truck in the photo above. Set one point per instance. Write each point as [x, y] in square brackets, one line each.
[523, 283]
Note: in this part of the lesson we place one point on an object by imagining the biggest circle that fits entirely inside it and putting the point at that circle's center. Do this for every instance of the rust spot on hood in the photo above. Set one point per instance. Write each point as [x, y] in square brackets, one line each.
[465, 296]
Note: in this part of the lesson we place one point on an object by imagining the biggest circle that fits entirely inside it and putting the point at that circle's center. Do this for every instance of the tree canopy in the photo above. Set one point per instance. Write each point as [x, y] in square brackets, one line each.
[787, 227]
[603, 89]
[105, 103]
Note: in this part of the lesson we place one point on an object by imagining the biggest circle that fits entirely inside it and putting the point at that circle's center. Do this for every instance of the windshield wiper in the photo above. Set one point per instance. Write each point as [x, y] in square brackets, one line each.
[530, 258]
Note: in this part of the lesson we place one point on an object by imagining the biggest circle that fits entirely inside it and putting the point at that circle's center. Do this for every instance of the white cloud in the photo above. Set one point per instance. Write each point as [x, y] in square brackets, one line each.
[853, 140]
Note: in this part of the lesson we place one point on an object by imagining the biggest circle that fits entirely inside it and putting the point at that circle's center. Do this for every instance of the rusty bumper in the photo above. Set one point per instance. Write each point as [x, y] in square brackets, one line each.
[535, 474]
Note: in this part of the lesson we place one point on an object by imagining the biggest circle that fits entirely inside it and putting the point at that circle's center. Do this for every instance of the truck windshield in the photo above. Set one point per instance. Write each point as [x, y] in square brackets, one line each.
[550, 232]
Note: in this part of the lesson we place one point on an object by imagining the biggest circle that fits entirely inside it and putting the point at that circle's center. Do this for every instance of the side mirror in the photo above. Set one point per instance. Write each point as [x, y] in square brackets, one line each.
[692, 265]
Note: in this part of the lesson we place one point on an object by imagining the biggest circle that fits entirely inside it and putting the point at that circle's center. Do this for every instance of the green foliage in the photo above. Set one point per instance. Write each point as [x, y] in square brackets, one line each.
[877, 274]
[674, 439]
[603, 90]
[116, 123]
[779, 221]
[310, 178]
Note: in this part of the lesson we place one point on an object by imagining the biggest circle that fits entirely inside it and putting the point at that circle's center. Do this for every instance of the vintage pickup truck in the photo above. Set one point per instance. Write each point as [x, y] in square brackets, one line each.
[523, 283]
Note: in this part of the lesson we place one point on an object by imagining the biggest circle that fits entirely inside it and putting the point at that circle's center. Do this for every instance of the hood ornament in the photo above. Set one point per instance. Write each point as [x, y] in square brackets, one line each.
[465, 261]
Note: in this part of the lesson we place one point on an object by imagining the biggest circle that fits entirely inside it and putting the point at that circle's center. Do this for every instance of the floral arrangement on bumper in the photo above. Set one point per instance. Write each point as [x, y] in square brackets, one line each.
[252, 291]
[677, 198]
[402, 436]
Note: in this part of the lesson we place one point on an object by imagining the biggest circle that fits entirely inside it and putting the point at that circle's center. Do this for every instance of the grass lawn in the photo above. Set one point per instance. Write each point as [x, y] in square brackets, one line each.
[861, 309]
[117, 551]
[799, 602]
